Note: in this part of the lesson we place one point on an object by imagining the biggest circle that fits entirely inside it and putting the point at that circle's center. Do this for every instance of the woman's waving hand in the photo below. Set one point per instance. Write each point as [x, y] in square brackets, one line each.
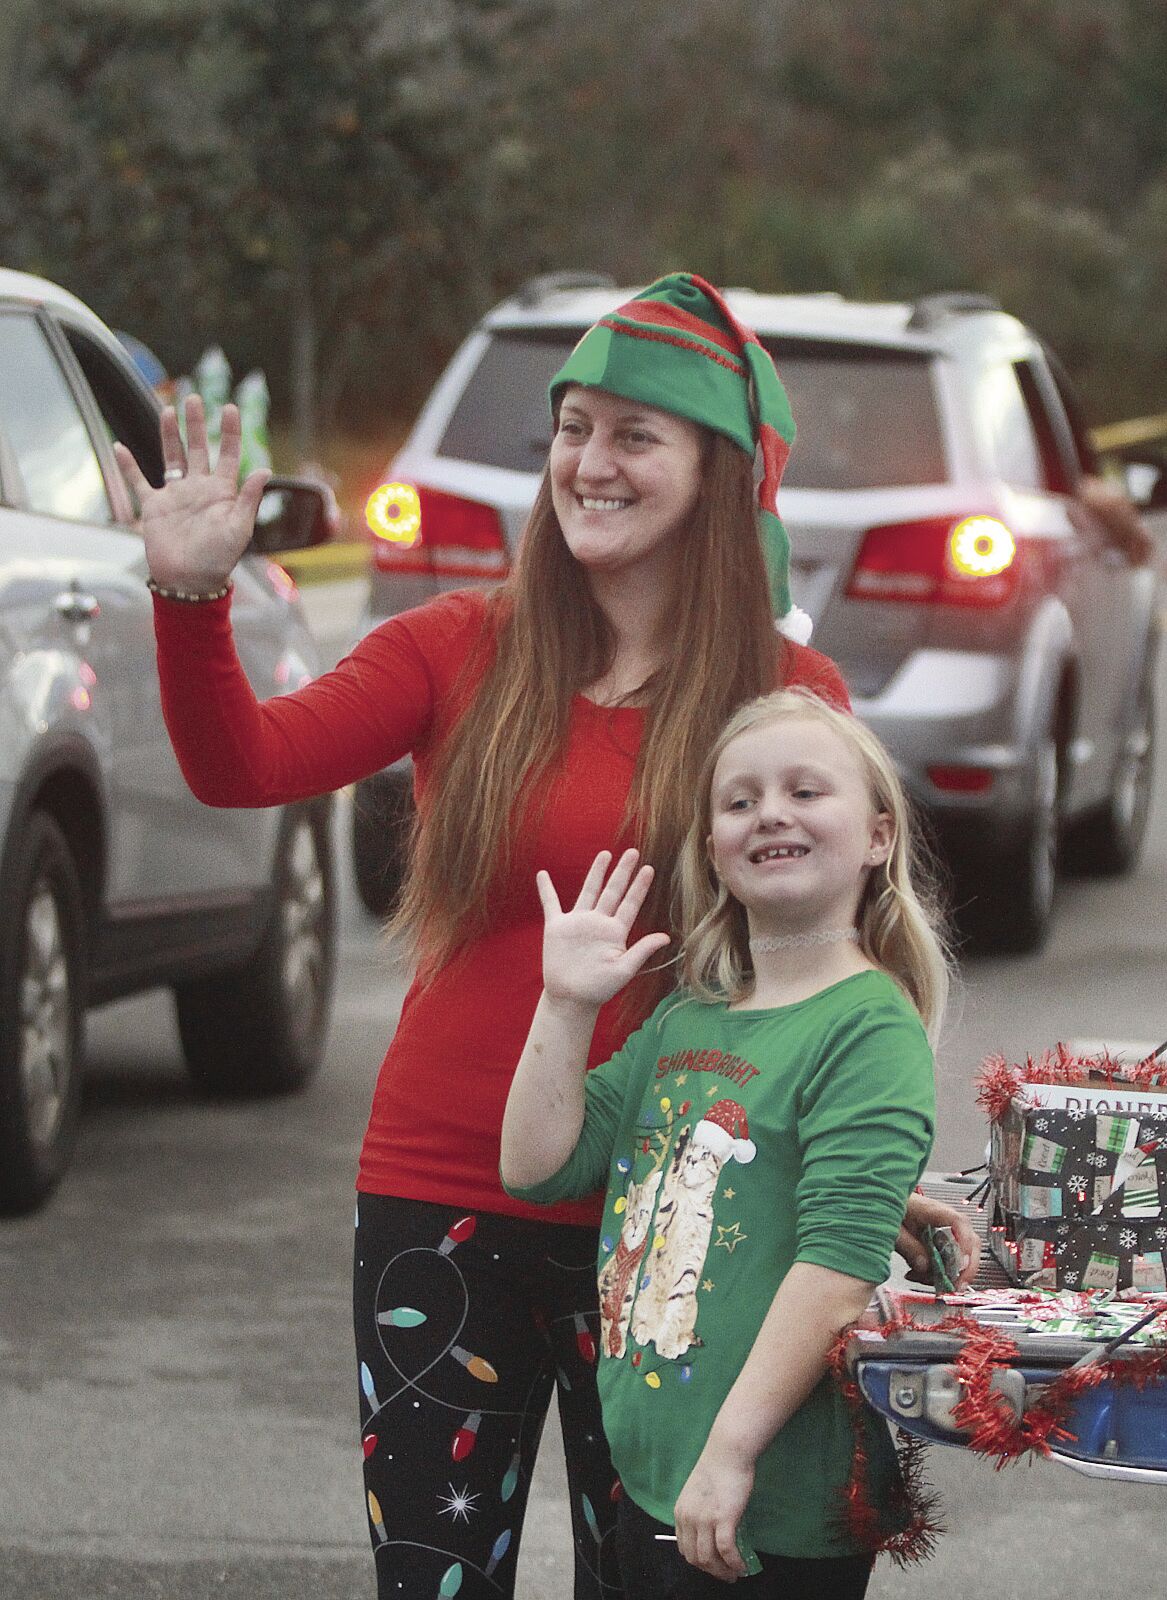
[199, 523]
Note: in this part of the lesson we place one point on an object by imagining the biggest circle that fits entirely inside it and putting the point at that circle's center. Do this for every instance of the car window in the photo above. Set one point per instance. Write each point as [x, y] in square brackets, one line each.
[866, 416]
[128, 414]
[1006, 428]
[1075, 416]
[501, 419]
[1059, 466]
[45, 431]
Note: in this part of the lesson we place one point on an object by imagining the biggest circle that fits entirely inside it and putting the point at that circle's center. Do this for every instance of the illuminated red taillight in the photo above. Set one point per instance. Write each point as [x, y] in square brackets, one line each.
[427, 531]
[950, 561]
[962, 780]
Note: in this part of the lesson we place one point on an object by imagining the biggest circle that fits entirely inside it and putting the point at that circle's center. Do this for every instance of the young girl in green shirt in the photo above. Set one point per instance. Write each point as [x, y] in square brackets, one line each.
[758, 1137]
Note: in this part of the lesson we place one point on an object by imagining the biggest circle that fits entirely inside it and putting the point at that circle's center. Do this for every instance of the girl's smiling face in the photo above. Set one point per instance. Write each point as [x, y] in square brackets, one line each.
[625, 479]
[793, 832]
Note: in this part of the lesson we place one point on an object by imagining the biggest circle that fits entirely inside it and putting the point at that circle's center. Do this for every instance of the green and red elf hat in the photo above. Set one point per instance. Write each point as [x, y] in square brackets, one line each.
[679, 347]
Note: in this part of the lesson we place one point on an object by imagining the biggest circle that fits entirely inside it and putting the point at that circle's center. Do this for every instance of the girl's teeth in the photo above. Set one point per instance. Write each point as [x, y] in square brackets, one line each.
[602, 505]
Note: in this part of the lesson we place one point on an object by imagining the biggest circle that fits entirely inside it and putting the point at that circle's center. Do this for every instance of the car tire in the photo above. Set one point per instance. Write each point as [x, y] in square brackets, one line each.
[1005, 900]
[42, 1011]
[1106, 842]
[382, 813]
[259, 1028]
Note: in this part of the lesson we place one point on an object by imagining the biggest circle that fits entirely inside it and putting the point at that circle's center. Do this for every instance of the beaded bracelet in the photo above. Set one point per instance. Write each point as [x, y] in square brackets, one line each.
[185, 594]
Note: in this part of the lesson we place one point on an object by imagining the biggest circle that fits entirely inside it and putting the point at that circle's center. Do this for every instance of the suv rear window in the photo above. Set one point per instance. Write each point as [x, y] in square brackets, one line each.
[866, 416]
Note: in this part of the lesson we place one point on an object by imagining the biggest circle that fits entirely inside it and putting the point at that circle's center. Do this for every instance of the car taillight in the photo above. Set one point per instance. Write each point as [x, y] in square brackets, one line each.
[430, 532]
[962, 780]
[965, 561]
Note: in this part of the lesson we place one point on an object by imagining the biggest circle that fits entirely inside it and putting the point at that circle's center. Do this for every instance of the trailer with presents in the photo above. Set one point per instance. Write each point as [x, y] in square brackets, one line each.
[1059, 1348]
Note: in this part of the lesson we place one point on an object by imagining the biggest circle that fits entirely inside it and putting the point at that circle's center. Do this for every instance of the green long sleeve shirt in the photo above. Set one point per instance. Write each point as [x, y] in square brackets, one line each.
[733, 1144]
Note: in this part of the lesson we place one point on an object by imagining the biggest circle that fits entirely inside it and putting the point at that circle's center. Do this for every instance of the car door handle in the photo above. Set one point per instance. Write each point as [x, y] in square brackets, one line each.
[74, 606]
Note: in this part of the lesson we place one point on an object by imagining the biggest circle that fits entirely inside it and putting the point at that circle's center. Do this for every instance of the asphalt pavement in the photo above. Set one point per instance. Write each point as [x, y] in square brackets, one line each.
[177, 1394]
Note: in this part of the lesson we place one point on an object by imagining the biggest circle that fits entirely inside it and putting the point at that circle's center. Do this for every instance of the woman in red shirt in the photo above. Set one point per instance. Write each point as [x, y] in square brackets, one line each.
[566, 712]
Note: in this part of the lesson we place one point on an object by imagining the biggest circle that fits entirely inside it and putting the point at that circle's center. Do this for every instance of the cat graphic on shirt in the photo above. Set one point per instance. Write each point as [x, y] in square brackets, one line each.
[619, 1275]
[665, 1312]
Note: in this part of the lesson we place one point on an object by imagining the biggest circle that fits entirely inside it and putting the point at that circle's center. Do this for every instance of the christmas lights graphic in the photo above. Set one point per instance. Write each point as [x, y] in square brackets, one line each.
[501, 1545]
[510, 1481]
[420, 1314]
[466, 1437]
[367, 1386]
[451, 1581]
[401, 1317]
[584, 1342]
[375, 1518]
[476, 1366]
[458, 1233]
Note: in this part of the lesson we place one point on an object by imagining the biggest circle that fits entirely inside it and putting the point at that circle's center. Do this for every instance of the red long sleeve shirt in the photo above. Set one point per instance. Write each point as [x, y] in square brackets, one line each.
[433, 1131]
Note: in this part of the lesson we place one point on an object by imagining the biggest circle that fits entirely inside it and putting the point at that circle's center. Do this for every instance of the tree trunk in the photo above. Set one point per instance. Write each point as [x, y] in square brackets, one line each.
[334, 376]
[303, 361]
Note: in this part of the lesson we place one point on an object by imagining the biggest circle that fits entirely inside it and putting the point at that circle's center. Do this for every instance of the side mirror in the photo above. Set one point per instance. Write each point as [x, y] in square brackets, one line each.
[294, 514]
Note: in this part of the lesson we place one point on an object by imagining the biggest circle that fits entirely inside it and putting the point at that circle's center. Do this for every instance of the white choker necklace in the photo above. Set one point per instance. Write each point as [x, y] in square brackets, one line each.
[802, 941]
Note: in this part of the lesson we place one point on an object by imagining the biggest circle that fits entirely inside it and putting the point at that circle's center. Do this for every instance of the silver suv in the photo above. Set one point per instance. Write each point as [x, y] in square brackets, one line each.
[113, 878]
[992, 612]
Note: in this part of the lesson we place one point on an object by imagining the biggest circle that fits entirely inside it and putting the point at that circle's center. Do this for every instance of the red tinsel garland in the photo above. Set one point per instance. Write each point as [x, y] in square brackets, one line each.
[1001, 1081]
[993, 1428]
[907, 1530]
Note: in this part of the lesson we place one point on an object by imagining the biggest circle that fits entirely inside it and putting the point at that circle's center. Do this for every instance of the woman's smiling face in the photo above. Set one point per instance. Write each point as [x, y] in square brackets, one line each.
[625, 479]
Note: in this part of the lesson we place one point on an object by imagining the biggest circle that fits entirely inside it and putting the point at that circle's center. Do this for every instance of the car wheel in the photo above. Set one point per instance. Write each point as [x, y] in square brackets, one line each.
[1107, 841]
[1008, 892]
[259, 1028]
[381, 818]
[42, 1008]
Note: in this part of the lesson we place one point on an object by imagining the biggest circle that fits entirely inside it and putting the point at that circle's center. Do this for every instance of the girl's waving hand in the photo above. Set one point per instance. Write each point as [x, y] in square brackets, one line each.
[586, 960]
[586, 955]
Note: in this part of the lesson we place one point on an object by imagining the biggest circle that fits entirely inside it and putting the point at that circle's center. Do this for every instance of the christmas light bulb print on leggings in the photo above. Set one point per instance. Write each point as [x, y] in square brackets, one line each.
[452, 1402]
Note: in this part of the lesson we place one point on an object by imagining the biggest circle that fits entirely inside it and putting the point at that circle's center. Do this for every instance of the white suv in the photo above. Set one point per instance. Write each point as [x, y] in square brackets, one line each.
[992, 612]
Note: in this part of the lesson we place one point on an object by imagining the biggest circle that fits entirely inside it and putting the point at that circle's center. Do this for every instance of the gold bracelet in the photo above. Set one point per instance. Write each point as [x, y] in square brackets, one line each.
[187, 595]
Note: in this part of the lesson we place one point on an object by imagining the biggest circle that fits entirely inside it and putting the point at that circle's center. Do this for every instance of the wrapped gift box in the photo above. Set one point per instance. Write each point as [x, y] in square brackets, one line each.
[1078, 1171]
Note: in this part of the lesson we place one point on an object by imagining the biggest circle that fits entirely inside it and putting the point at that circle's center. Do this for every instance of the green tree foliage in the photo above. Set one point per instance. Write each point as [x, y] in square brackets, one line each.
[374, 133]
[1017, 149]
[333, 189]
[112, 173]
[313, 184]
[883, 148]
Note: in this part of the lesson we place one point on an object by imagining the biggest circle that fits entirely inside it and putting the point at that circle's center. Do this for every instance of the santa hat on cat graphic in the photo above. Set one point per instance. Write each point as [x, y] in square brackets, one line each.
[724, 1130]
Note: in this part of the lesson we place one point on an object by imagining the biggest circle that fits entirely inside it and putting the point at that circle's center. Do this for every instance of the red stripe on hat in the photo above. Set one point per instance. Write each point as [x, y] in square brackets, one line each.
[775, 454]
[659, 311]
[745, 335]
[659, 336]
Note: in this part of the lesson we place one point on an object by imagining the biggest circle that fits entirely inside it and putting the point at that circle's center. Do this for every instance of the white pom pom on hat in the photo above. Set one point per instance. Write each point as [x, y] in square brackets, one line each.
[725, 1130]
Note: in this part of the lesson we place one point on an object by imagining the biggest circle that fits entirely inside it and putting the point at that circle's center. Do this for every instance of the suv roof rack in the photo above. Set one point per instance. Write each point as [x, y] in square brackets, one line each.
[929, 309]
[538, 288]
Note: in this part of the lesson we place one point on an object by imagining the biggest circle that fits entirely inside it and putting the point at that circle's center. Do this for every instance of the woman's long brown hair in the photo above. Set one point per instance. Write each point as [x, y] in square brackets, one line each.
[550, 641]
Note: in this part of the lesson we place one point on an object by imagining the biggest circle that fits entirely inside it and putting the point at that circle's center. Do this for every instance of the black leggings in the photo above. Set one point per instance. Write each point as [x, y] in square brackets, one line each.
[465, 1321]
[654, 1569]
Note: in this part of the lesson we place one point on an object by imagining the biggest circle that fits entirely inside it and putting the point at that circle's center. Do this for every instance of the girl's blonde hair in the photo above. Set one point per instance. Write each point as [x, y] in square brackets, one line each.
[899, 921]
[546, 640]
